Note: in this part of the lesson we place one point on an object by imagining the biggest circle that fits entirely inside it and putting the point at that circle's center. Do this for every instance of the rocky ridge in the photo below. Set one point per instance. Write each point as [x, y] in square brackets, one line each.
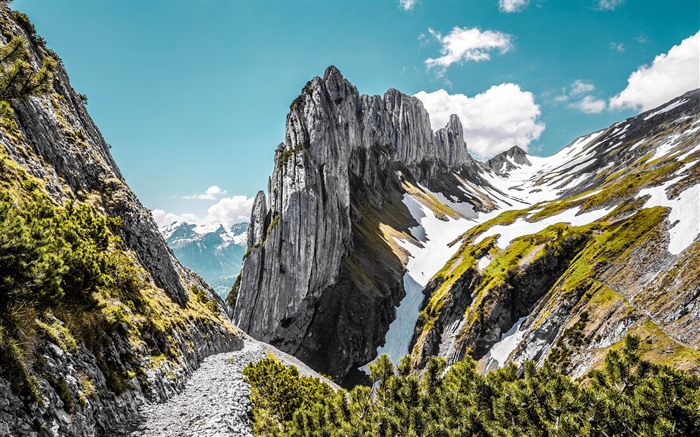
[83, 368]
[362, 191]
[605, 245]
[308, 285]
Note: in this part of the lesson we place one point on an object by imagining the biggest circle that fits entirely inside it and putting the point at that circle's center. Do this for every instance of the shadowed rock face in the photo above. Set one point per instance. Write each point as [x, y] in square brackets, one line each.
[320, 282]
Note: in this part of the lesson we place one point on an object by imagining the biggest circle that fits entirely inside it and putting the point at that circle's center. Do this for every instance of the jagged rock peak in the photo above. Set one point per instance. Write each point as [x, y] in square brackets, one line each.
[394, 119]
[257, 219]
[340, 157]
[506, 161]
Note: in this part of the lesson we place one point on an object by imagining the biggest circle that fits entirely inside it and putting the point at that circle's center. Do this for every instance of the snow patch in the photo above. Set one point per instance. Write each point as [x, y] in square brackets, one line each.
[424, 261]
[484, 262]
[509, 341]
[666, 147]
[685, 210]
[666, 108]
[637, 144]
[398, 337]
[466, 209]
[620, 132]
[522, 227]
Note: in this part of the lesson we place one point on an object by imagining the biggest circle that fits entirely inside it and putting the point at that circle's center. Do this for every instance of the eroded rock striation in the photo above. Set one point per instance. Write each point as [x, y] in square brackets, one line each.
[320, 281]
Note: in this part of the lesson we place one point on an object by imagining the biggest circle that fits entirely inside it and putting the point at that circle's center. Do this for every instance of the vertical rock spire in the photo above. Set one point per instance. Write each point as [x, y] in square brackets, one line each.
[301, 288]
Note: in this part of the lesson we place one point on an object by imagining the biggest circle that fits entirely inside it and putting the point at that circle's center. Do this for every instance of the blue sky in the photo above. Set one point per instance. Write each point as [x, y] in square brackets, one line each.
[194, 94]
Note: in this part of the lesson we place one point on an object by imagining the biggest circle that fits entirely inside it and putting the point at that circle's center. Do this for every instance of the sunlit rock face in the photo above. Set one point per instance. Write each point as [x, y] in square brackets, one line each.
[320, 280]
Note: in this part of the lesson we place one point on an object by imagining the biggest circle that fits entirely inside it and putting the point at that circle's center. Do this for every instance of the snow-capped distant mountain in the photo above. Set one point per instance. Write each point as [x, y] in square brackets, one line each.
[212, 251]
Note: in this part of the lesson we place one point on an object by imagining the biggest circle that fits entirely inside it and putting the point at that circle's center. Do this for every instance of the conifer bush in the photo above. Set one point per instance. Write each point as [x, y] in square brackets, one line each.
[626, 396]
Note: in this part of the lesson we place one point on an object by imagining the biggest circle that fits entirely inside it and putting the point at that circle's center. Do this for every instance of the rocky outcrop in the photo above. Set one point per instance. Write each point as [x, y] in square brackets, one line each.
[507, 161]
[563, 288]
[90, 369]
[320, 281]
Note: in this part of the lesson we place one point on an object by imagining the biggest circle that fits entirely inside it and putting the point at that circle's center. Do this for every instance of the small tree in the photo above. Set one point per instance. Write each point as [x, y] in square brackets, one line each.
[18, 78]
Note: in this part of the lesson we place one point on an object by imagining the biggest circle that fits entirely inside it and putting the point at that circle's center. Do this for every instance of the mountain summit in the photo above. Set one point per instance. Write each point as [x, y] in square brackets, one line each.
[367, 208]
[320, 280]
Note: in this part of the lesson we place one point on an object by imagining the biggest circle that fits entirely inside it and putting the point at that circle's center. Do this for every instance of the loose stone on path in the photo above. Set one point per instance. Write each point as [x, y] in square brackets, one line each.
[213, 403]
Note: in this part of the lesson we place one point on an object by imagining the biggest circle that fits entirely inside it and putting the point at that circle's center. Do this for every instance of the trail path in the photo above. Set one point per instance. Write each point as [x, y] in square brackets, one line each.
[214, 403]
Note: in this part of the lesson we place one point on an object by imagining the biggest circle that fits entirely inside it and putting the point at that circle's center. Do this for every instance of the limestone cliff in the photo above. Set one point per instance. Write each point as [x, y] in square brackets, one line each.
[322, 275]
[124, 320]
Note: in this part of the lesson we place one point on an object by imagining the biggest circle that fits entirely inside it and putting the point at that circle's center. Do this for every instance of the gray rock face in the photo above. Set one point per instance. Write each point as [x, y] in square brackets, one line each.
[59, 144]
[301, 288]
[504, 161]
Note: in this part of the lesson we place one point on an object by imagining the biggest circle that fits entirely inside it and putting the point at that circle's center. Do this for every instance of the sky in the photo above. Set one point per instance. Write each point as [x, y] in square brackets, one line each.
[193, 95]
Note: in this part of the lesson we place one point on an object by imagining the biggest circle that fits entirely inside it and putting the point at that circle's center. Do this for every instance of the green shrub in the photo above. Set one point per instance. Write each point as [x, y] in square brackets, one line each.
[627, 397]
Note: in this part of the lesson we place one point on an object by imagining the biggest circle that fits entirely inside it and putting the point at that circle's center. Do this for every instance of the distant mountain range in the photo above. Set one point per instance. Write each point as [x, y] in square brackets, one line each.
[212, 251]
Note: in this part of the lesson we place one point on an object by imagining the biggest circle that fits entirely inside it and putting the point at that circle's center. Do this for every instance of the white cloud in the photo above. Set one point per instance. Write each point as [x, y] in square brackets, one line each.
[212, 193]
[512, 5]
[467, 44]
[669, 75]
[590, 105]
[609, 5]
[617, 46]
[580, 87]
[407, 5]
[494, 121]
[230, 210]
[165, 218]
[227, 211]
[578, 93]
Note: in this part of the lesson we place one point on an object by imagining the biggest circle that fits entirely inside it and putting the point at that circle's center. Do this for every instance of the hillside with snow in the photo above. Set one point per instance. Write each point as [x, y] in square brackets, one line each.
[580, 249]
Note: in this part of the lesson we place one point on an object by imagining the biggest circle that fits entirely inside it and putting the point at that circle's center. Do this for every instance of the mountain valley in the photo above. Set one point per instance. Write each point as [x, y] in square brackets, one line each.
[213, 252]
[388, 283]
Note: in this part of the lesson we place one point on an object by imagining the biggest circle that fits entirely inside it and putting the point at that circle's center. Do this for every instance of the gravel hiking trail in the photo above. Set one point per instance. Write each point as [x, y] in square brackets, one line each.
[215, 400]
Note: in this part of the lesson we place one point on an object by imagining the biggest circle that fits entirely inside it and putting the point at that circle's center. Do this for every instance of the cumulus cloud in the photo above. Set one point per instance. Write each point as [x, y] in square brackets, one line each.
[230, 210]
[212, 193]
[165, 218]
[407, 5]
[578, 94]
[590, 105]
[512, 5]
[497, 119]
[609, 5]
[580, 87]
[669, 75]
[467, 44]
[227, 211]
